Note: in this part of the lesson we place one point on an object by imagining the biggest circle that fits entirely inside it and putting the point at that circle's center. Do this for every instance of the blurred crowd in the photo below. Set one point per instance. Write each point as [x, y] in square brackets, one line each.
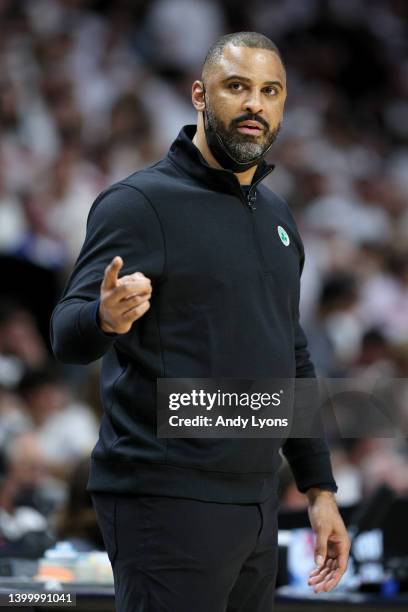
[91, 91]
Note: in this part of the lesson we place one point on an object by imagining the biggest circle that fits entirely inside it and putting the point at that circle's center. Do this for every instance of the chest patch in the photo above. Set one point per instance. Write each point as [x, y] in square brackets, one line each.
[283, 235]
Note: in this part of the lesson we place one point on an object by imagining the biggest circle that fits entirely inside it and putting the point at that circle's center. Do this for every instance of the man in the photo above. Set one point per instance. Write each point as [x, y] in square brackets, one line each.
[23, 499]
[211, 264]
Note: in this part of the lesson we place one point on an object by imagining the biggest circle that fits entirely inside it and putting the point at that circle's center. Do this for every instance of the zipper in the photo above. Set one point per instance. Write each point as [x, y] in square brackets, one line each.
[250, 199]
[250, 204]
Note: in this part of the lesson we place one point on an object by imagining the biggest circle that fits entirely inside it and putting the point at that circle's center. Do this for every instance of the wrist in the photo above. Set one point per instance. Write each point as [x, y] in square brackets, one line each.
[316, 493]
[103, 324]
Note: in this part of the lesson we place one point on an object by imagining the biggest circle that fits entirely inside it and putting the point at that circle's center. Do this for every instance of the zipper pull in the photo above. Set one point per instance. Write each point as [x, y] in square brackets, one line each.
[251, 200]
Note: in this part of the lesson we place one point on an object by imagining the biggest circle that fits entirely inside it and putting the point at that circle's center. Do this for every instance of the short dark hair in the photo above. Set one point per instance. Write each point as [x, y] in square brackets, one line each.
[34, 379]
[255, 40]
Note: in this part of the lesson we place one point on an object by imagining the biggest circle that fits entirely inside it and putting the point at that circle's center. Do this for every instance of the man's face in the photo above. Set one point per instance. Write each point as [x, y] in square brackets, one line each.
[245, 94]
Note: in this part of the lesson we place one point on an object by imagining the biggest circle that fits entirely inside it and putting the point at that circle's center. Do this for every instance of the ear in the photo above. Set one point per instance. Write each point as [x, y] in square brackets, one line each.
[197, 95]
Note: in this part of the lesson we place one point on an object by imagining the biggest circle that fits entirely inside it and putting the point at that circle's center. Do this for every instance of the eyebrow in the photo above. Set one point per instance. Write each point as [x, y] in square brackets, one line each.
[237, 77]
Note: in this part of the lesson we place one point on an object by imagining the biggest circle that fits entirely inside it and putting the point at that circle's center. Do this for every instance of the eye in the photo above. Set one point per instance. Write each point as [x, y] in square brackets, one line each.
[271, 91]
[235, 86]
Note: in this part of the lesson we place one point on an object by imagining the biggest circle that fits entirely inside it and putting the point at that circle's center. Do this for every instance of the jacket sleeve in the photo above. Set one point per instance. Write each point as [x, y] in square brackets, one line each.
[308, 457]
[121, 222]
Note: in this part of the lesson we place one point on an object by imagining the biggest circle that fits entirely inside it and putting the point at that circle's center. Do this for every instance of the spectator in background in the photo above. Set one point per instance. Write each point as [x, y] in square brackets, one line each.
[374, 359]
[378, 461]
[23, 502]
[21, 345]
[384, 297]
[334, 334]
[13, 419]
[66, 429]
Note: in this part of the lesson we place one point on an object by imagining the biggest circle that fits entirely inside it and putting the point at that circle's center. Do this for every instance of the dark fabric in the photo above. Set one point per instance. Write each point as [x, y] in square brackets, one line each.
[225, 304]
[245, 189]
[183, 555]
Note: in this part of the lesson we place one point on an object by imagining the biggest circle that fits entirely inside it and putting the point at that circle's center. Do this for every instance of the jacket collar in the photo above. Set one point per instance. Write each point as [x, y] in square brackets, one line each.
[186, 155]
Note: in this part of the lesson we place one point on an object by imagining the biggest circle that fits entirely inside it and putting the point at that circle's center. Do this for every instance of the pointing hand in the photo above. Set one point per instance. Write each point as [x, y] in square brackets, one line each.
[123, 300]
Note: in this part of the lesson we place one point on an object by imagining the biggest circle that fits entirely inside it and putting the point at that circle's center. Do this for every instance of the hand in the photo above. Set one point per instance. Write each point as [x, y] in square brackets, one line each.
[332, 545]
[123, 300]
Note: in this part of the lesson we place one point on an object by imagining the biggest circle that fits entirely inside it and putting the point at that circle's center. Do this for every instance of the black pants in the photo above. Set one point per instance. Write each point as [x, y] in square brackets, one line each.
[182, 555]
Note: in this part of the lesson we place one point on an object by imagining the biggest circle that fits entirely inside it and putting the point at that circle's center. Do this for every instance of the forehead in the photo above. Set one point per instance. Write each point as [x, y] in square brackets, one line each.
[252, 63]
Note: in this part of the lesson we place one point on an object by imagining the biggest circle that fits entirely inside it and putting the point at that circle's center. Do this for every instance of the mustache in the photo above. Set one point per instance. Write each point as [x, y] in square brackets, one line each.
[249, 117]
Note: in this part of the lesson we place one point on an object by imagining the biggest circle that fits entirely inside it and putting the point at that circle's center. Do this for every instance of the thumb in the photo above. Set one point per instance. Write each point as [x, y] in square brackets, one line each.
[320, 549]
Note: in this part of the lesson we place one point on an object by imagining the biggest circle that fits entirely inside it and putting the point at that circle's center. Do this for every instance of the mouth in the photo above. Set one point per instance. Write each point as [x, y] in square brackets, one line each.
[250, 127]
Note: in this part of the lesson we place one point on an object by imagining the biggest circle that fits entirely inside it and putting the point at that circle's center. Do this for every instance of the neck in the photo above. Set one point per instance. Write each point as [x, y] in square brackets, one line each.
[200, 141]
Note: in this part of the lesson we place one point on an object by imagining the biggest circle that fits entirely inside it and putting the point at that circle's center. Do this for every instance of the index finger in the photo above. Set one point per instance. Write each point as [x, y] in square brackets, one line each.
[342, 559]
[341, 565]
[110, 278]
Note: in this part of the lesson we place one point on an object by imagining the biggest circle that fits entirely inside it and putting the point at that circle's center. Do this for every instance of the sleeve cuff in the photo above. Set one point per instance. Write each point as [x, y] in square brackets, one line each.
[90, 329]
[326, 486]
[313, 471]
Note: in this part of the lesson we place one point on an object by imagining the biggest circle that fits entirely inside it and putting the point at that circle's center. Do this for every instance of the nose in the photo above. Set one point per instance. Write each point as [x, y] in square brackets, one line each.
[253, 103]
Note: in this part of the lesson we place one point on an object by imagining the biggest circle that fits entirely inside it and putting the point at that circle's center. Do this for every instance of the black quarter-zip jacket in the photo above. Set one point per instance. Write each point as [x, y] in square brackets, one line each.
[225, 304]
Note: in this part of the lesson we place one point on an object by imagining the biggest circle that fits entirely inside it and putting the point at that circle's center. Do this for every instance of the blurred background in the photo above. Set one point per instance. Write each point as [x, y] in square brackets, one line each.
[90, 91]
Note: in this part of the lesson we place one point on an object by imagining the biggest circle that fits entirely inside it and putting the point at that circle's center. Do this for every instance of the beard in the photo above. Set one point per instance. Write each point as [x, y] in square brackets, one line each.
[242, 147]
